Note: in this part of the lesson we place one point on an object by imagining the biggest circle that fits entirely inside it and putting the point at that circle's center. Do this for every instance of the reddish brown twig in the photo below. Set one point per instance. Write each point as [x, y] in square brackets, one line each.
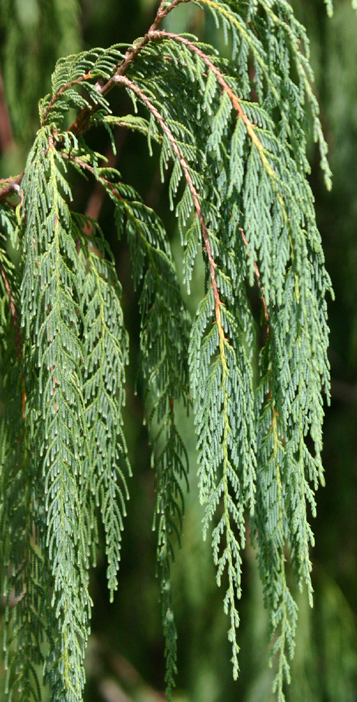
[235, 100]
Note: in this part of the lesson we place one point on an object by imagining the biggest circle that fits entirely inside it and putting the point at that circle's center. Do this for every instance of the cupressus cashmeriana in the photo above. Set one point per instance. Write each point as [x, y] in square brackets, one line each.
[236, 149]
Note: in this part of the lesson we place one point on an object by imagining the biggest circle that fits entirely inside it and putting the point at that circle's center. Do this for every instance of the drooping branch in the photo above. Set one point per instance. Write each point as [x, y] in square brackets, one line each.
[235, 100]
[237, 106]
[236, 103]
[57, 95]
[123, 80]
[230, 556]
[81, 120]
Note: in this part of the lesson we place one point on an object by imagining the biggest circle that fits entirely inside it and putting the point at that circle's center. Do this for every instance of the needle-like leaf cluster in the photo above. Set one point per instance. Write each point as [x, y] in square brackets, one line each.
[231, 133]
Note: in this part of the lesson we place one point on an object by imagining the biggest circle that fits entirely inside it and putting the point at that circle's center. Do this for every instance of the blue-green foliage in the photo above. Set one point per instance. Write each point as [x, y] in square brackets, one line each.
[106, 354]
[18, 520]
[262, 175]
[236, 148]
[52, 285]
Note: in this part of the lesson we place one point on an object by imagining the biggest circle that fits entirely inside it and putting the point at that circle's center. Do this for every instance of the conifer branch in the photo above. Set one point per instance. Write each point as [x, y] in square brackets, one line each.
[106, 354]
[224, 10]
[235, 100]
[250, 129]
[60, 92]
[164, 365]
[236, 103]
[22, 565]
[231, 552]
[56, 410]
[280, 644]
[285, 599]
[168, 463]
[123, 80]
[80, 123]
[247, 189]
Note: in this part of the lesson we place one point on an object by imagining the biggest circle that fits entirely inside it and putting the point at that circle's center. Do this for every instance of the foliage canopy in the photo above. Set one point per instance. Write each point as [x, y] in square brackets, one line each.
[232, 132]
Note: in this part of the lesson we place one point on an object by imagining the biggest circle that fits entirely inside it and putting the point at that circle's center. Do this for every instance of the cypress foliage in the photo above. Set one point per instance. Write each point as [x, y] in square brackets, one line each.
[236, 150]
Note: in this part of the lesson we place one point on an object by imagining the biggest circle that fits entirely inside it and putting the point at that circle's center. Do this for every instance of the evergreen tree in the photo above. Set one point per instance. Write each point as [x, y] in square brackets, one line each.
[232, 131]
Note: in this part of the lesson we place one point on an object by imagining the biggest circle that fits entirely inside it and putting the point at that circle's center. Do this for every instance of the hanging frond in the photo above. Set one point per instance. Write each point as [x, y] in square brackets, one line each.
[231, 133]
[53, 279]
[269, 189]
[106, 354]
[23, 576]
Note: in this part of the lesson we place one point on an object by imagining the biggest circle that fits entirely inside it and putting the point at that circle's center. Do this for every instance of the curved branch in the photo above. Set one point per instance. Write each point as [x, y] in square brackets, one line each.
[59, 93]
[123, 80]
[249, 126]
[82, 118]
[235, 100]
